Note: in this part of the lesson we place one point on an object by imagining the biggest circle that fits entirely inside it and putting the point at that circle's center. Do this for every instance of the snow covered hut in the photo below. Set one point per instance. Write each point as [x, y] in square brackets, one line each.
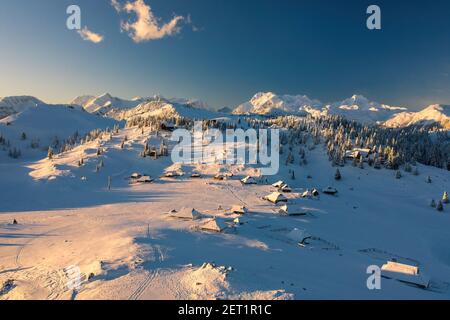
[239, 209]
[219, 177]
[186, 213]
[171, 174]
[144, 179]
[214, 225]
[240, 221]
[278, 184]
[405, 273]
[248, 180]
[293, 210]
[330, 190]
[298, 235]
[135, 175]
[358, 153]
[275, 197]
[285, 188]
[310, 193]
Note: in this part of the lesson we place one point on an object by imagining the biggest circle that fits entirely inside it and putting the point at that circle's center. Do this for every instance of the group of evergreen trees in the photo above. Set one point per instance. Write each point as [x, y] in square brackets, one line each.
[390, 148]
[440, 205]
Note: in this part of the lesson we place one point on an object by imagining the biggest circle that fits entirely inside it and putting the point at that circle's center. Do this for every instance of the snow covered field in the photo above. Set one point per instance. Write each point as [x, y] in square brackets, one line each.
[127, 246]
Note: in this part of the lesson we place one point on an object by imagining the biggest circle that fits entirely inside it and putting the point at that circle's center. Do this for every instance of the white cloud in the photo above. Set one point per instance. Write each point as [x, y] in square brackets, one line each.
[147, 26]
[116, 5]
[88, 35]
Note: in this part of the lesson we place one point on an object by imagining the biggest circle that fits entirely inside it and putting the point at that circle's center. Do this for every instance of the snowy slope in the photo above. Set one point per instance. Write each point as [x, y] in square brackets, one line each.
[12, 105]
[269, 103]
[142, 253]
[44, 123]
[432, 114]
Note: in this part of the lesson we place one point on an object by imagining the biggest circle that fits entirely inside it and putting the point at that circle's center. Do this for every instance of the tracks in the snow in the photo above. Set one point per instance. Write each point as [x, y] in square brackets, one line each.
[149, 279]
[143, 286]
[236, 196]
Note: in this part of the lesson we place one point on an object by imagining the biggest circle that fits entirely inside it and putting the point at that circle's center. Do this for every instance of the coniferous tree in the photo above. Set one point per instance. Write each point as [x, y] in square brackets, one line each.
[50, 153]
[445, 198]
[433, 203]
[377, 164]
[361, 163]
[337, 175]
[408, 167]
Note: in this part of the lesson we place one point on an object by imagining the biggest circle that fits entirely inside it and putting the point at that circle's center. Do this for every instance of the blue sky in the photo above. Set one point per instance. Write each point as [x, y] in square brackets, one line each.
[320, 48]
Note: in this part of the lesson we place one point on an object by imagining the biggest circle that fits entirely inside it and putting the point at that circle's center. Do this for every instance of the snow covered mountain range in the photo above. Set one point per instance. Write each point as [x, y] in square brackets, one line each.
[271, 104]
[360, 109]
[433, 114]
[357, 108]
[107, 104]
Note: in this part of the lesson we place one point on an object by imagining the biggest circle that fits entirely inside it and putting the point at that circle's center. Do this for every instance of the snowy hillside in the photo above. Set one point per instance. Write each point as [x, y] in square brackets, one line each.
[115, 208]
[128, 243]
[13, 105]
[356, 108]
[271, 104]
[439, 114]
[35, 129]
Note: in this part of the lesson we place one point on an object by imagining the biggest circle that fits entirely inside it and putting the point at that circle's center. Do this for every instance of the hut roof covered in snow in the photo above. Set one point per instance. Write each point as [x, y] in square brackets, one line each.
[330, 190]
[276, 197]
[135, 175]
[186, 213]
[293, 210]
[215, 225]
[144, 179]
[248, 180]
[285, 188]
[278, 184]
[405, 273]
[239, 209]
[400, 268]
